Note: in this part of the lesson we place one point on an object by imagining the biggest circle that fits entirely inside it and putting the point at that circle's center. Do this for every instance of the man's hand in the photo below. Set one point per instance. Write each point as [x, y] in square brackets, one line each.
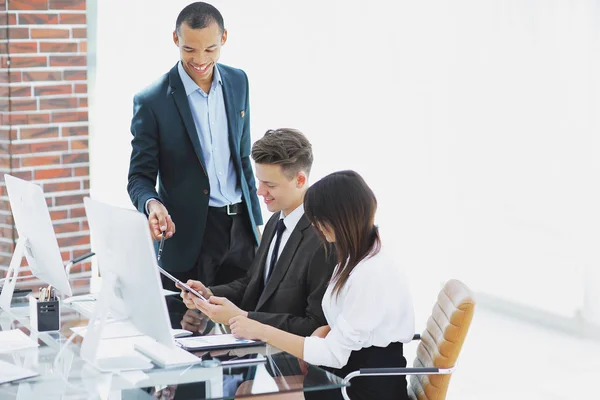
[159, 220]
[188, 298]
[219, 309]
[321, 331]
[194, 321]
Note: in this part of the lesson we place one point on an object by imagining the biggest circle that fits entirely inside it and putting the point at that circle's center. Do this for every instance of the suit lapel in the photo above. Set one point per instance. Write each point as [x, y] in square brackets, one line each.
[183, 106]
[284, 260]
[256, 284]
[231, 110]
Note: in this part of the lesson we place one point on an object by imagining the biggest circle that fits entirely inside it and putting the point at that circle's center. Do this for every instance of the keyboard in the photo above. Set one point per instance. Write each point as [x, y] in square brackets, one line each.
[87, 308]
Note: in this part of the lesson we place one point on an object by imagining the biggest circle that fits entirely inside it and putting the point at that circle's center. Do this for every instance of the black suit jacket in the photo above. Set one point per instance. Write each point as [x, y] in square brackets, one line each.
[291, 300]
[165, 144]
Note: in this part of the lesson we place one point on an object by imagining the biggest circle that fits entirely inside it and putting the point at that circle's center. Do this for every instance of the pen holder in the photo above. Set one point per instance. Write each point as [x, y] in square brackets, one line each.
[44, 315]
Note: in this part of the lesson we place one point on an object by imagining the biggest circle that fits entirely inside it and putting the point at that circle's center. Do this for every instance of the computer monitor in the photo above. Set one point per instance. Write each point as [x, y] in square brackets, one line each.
[131, 285]
[37, 241]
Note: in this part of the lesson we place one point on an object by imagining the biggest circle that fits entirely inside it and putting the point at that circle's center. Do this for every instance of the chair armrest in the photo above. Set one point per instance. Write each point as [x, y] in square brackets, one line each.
[392, 372]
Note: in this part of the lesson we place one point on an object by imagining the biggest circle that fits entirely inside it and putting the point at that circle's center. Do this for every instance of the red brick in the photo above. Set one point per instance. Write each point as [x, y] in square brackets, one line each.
[76, 158]
[74, 130]
[81, 88]
[25, 175]
[67, 4]
[8, 19]
[79, 144]
[27, 119]
[73, 19]
[69, 200]
[74, 116]
[24, 62]
[59, 103]
[76, 75]
[74, 241]
[42, 147]
[80, 33]
[39, 133]
[22, 105]
[83, 102]
[86, 184]
[81, 171]
[39, 161]
[58, 215]
[29, 76]
[15, 76]
[51, 90]
[22, 47]
[28, 4]
[52, 173]
[58, 47]
[15, 163]
[61, 186]
[68, 61]
[83, 47]
[14, 33]
[38, 19]
[49, 33]
[77, 212]
[66, 228]
[6, 247]
[20, 91]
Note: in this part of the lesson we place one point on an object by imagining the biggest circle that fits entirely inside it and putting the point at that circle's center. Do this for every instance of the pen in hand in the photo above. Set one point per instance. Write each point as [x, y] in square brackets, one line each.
[161, 245]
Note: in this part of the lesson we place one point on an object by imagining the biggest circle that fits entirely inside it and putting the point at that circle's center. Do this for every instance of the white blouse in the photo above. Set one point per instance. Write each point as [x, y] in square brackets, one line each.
[374, 308]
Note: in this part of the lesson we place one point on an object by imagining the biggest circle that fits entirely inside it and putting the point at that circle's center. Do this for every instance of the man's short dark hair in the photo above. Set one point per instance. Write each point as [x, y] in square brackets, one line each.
[286, 147]
[199, 15]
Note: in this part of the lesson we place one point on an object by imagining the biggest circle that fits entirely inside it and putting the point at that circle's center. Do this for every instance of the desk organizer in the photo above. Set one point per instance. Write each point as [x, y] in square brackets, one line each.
[44, 315]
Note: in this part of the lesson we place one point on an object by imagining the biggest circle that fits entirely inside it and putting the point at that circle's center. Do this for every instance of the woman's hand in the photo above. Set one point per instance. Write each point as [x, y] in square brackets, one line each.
[246, 328]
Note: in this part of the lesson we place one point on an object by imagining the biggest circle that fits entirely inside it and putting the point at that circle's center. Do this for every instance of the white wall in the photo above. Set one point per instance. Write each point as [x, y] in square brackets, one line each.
[476, 123]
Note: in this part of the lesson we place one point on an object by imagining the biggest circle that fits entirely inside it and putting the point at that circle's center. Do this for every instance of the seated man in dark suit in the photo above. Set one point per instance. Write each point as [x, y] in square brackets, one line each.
[290, 272]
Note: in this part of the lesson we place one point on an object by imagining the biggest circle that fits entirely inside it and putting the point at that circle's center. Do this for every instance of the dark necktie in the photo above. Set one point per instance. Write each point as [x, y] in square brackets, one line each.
[279, 232]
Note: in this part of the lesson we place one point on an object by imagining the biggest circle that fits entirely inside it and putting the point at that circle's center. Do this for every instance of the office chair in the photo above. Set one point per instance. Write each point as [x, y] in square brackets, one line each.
[439, 347]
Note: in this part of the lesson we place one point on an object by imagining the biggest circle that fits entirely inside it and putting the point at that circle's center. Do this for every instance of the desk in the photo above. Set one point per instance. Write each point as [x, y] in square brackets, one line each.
[63, 374]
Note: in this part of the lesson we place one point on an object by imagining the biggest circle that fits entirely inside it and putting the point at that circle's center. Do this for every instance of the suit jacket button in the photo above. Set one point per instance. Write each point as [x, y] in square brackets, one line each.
[205, 191]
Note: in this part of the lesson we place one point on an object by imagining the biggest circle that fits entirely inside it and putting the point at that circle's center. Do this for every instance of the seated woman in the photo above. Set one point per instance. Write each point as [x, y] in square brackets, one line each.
[367, 304]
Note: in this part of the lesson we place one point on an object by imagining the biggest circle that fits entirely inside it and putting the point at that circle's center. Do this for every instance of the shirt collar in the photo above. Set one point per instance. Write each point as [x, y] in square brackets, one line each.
[188, 83]
[292, 218]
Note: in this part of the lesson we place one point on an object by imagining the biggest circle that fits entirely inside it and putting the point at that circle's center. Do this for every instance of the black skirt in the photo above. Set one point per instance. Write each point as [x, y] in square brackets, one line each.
[369, 388]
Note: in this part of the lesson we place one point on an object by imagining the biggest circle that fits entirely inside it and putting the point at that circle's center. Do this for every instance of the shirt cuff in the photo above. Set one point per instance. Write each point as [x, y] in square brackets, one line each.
[315, 351]
[147, 202]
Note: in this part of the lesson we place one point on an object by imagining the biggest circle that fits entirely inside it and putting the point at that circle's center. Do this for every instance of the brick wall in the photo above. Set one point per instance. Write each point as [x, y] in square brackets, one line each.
[44, 117]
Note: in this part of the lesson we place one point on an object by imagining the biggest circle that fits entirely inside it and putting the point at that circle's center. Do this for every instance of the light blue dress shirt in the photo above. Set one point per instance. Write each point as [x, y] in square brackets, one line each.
[210, 119]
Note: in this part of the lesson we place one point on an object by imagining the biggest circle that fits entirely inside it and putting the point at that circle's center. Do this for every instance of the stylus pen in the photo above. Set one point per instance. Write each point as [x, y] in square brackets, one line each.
[161, 245]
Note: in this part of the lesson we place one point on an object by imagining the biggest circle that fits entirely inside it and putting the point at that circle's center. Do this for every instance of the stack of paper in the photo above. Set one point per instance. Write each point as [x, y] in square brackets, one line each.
[10, 372]
[14, 340]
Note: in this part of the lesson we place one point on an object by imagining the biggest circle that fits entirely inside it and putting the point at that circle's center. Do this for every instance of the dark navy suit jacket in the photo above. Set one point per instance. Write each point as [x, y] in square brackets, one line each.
[165, 144]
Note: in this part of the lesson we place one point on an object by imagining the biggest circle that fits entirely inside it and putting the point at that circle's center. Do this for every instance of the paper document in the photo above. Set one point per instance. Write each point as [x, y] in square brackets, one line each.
[14, 340]
[215, 342]
[10, 372]
[121, 329]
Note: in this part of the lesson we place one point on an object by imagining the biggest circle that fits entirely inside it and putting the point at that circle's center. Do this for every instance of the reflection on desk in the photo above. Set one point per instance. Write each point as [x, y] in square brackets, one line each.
[63, 374]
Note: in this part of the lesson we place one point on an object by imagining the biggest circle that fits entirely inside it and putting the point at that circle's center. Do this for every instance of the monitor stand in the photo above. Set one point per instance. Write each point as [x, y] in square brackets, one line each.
[8, 288]
[164, 356]
[91, 341]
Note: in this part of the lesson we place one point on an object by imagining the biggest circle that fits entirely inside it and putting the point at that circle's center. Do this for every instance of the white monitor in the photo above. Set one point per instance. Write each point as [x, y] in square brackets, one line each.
[131, 287]
[37, 240]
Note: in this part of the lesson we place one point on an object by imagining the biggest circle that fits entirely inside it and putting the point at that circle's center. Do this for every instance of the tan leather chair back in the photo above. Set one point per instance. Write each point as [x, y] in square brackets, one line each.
[442, 340]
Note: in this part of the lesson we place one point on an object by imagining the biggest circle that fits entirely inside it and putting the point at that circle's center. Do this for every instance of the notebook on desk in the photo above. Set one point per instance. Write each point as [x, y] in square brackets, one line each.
[214, 342]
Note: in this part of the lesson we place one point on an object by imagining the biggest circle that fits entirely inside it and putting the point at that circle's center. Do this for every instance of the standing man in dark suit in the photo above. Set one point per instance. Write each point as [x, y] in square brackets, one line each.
[290, 272]
[192, 129]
